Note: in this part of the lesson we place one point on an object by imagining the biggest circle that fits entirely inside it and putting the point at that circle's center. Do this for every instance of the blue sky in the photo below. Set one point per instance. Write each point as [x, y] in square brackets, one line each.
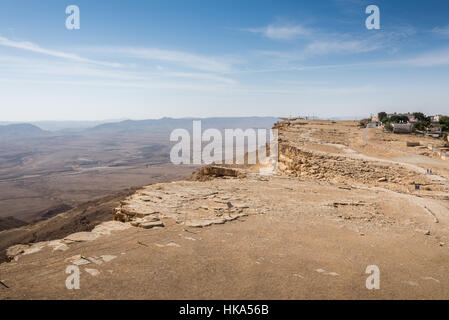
[150, 59]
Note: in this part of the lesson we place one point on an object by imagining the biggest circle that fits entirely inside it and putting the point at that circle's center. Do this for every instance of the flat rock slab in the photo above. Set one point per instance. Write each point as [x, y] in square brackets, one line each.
[78, 260]
[82, 236]
[58, 245]
[108, 257]
[16, 250]
[204, 223]
[92, 272]
[107, 227]
[151, 224]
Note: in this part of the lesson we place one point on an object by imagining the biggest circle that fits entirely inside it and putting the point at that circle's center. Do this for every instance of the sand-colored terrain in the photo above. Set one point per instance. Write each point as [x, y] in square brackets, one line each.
[343, 199]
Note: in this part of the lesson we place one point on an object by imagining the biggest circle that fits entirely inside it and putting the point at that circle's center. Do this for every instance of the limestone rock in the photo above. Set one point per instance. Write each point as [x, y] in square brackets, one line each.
[151, 224]
[92, 272]
[82, 236]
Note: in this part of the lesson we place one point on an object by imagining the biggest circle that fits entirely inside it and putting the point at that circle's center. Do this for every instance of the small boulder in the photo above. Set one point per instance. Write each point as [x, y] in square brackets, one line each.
[151, 224]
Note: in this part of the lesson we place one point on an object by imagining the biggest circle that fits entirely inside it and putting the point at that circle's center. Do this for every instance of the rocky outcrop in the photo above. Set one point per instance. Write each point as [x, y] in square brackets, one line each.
[105, 228]
[294, 161]
[296, 158]
[192, 203]
[211, 172]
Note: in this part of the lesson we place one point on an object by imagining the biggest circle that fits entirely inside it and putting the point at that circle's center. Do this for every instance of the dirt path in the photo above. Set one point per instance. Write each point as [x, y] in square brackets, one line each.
[350, 153]
[409, 157]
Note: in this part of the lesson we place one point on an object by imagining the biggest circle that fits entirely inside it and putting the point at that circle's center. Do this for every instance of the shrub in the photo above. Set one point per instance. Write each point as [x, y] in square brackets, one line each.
[444, 122]
[396, 118]
[420, 126]
[382, 116]
[364, 122]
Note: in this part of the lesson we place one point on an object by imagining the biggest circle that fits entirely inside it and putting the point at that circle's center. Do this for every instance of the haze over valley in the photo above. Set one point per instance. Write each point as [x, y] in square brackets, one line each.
[45, 173]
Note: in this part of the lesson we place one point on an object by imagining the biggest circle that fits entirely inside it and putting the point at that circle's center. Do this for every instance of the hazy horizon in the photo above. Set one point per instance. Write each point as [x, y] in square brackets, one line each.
[98, 122]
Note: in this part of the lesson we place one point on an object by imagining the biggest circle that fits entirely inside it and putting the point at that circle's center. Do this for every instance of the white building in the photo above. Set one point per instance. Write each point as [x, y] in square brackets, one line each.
[436, 118]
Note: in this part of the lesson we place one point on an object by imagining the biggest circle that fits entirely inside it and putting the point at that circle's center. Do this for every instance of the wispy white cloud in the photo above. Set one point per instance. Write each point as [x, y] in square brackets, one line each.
[27, 67]
[281, 32]
[59, 66]
[171, 69]
[200, 76]
[29, 46]
[431, 59]
[313, 42]
[59, 71]
[182, 58]
[443, 31]
[333, 47]
[170, 85]
[323, 47]
[438, 58]
[296, 61]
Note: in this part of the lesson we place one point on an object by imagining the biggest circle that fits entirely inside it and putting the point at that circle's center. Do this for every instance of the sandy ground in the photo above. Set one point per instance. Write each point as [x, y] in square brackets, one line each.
[308, 232]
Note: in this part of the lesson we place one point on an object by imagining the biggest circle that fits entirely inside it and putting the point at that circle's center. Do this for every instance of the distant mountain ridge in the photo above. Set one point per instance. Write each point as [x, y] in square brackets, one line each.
[21, 130]
[63, 125]
[168, 124]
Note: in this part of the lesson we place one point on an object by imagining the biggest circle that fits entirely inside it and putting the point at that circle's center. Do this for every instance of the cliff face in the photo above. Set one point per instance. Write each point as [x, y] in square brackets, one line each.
[303, 156]
[294, 161]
